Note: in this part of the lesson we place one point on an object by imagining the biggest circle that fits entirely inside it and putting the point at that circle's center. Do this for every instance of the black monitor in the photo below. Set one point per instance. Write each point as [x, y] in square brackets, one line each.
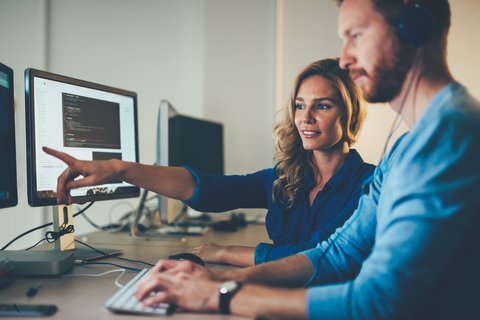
[197, 143]
[86, 120]
[8, 168]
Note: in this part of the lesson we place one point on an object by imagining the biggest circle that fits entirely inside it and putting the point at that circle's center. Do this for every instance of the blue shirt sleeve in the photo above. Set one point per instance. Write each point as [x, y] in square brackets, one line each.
[217, 193]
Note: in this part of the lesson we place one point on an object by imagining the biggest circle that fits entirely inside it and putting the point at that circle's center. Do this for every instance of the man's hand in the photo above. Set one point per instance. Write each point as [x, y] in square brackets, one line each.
[183, 283]
[182, 289]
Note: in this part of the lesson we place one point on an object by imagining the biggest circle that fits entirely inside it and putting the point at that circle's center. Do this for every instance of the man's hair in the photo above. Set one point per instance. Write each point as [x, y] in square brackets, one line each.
[439, 9]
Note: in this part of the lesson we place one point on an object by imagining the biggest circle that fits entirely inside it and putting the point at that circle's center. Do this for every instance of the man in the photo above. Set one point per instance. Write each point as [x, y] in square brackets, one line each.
[412, 248]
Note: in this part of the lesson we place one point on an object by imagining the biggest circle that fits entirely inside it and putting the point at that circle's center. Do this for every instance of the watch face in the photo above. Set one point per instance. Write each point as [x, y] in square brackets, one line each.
[228, 286]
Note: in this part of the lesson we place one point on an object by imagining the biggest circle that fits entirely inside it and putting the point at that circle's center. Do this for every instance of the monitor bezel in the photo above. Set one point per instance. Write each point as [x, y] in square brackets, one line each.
[33, 199]
[12, 201]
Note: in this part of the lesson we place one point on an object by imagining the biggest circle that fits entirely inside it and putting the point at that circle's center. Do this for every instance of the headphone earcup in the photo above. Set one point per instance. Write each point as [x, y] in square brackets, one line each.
[415, 25]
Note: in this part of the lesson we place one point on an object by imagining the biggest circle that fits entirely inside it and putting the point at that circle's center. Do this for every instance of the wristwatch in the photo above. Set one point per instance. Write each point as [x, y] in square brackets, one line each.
[227, 290]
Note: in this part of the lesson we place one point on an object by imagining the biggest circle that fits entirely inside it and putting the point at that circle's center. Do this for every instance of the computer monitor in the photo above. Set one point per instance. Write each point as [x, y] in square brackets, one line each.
[87, 120]
[8, 167]
[197, 143]
[184, 140]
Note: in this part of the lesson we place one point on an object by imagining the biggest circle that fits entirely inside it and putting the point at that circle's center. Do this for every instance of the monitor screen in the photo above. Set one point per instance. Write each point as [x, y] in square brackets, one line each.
[86, 120]
[8, 170]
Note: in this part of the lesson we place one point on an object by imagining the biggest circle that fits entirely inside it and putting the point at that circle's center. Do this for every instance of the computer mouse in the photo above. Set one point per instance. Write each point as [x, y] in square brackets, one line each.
[187, 256]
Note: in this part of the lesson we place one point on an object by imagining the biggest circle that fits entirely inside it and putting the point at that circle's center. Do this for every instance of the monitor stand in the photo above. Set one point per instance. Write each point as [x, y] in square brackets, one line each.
[56, 261]
[63, 218]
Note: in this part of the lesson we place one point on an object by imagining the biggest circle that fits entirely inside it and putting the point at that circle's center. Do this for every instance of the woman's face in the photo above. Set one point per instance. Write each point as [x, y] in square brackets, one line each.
[318, 110]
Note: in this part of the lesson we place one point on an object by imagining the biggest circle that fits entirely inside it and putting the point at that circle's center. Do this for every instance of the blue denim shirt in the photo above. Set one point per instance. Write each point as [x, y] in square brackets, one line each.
[412, 248]
[301, 228]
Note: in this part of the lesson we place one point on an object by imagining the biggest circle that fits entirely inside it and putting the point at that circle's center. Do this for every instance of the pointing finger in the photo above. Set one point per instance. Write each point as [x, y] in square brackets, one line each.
[68, 159]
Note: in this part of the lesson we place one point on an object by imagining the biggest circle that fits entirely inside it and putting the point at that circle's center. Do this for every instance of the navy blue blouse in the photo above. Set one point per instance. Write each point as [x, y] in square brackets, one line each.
[294, 230]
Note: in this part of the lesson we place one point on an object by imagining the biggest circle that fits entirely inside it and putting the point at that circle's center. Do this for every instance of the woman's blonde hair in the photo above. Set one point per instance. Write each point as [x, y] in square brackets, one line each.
[294, 163]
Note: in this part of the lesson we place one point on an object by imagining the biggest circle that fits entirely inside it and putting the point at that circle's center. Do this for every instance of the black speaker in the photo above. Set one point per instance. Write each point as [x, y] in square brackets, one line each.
[415, 24]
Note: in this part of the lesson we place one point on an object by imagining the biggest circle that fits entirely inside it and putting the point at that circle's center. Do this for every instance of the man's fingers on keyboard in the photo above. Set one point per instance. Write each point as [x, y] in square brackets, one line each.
[145, 288]
[154, 299]
[153, 283]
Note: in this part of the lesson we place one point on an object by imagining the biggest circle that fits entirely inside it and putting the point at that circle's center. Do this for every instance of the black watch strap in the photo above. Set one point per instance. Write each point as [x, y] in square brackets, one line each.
[227, 290]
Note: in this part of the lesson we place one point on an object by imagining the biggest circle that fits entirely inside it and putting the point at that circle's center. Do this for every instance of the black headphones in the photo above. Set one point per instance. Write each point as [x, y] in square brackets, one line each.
[416, 24]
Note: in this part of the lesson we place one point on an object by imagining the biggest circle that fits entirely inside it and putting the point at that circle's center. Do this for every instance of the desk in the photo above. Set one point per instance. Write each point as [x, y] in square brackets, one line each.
[80, 297]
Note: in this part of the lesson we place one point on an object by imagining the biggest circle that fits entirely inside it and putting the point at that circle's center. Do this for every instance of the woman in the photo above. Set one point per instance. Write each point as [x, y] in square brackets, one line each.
[316, 183]
[313, 189]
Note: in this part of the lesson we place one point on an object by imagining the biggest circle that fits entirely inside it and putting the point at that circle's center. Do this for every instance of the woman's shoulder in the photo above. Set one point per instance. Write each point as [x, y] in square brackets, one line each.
[364, 166]
[365, 169]
[368, 167]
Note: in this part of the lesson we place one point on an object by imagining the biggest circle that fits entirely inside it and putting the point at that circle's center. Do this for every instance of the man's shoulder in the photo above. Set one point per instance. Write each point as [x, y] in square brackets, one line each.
[457, 106]
[446, 136]
[453, 115]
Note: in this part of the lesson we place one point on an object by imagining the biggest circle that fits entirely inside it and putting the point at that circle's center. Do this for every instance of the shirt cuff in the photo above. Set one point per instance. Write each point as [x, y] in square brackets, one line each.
[261, 252]
[196, 193]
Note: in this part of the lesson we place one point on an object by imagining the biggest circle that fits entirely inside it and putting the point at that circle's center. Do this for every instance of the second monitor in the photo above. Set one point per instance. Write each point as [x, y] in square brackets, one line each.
[8, 171]
[186, 141]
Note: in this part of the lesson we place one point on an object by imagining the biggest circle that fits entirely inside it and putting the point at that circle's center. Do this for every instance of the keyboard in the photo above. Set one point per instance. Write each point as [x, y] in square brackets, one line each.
[124, 301]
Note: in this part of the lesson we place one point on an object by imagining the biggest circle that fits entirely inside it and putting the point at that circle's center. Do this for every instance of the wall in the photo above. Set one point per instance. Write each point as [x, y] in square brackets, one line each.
[239, 73]
[463, 45]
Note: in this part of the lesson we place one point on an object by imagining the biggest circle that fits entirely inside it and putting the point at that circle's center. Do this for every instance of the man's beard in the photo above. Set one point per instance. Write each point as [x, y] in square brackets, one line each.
[389, 74]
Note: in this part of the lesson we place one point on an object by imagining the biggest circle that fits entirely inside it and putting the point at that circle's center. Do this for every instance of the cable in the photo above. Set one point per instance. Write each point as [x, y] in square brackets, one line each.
[41, 227]
[96, 226]
[52, 236]
[110, 256]
[123, 221]
[112, 227]
[25, 233]
[395, 124]
[83, 262]
[84, 209]
[122, 272]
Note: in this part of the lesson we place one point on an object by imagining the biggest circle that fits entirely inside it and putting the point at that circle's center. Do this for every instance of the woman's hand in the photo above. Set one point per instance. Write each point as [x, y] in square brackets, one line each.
[90, 172]
[210, 252]
[239, 256]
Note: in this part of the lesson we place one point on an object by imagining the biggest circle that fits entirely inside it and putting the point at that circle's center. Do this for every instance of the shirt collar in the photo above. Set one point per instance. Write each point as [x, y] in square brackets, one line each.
[353, 162]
